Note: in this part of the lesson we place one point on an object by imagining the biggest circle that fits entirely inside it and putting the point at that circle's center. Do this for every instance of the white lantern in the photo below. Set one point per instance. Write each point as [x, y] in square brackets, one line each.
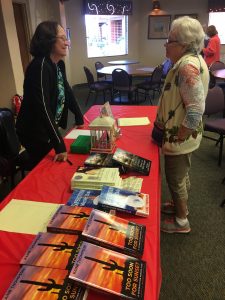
[103, 134]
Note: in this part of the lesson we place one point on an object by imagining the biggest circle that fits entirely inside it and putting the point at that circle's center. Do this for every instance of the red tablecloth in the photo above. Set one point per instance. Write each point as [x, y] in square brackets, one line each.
[50, 182]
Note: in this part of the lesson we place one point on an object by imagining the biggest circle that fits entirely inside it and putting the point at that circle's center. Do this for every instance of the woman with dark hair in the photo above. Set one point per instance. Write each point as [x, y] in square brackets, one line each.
[212, 50]
[47, 95]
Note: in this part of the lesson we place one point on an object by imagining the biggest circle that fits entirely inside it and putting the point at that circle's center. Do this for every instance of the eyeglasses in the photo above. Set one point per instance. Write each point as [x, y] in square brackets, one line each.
[63, 38]
[171, 41]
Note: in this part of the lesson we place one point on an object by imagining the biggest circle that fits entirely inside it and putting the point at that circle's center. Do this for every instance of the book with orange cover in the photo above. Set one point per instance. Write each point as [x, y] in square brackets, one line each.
[109, 271]
[69, 219]
[115, 233]
[53, 250]
[37, 283]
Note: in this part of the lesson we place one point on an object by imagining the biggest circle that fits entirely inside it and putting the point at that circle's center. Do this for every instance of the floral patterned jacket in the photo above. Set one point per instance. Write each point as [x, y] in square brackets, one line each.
[184, 93]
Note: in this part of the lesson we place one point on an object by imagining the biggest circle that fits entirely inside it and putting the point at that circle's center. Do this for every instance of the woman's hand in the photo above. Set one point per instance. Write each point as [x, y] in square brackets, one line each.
[79, 126]
[61, 157]
[183, 134]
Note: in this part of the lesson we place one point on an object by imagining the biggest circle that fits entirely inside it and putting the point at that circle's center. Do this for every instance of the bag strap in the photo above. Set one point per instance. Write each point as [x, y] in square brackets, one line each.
[172, 112]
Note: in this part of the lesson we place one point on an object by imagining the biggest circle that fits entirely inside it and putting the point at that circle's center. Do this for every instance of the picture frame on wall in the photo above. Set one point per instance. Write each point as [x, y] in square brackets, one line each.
[159, 26]
[194, 16]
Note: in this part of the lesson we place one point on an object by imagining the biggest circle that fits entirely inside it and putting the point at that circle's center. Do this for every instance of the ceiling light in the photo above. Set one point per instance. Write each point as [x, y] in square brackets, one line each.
[156, 9]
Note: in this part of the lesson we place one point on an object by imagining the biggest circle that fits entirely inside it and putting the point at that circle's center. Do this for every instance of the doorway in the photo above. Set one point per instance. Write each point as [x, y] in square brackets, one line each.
[22, 28]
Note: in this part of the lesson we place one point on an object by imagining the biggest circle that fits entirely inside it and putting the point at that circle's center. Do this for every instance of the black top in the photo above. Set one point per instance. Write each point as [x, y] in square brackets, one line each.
[36, 119]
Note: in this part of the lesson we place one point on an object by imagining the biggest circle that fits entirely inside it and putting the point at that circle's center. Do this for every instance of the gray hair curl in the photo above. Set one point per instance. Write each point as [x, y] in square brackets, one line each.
[189, 32]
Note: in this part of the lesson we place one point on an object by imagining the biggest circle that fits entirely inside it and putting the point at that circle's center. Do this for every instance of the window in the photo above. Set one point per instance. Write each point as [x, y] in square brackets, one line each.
[217, 19]
[106, 35]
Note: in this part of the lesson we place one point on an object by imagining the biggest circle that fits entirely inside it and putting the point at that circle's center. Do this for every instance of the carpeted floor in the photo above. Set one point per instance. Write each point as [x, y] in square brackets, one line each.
[193, 265]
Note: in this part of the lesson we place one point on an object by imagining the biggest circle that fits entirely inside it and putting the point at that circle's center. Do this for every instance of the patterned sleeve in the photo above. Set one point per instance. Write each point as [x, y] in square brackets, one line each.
[192, 93]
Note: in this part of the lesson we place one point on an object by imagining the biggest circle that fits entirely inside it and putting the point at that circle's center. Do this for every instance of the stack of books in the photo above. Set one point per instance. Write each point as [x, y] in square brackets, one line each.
[94, 178]
[111, 199]
[62, 264]
[122, 159]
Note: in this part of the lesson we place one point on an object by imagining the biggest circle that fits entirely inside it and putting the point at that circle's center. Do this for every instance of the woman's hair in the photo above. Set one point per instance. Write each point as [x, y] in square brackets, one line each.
[211, 31]
[189, 32]
[44, 38]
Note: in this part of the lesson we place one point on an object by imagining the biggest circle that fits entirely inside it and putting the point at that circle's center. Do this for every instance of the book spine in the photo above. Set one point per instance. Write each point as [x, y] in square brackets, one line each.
[56, 214]
[142, 238]
[126, 251]
[141, 214]
[99, 289]
[104, 206]
[74, 254]
[135, 239]
[30, 249]
[13, 284]
[62, 230]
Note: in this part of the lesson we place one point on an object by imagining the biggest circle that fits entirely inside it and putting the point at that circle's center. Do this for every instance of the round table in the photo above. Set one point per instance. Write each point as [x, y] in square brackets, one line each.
[123, 62]
[133, 70]
[219, 73]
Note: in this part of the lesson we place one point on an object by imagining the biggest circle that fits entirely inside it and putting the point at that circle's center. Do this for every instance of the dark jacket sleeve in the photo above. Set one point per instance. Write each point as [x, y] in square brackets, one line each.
[70, 98]
[36, 117]
[47, 96]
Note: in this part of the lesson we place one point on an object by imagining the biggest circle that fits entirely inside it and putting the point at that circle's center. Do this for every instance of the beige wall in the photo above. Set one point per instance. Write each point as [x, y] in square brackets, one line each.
[42, 10]
[11, 71]
[11, 78]
[152, 51]
[147, 51]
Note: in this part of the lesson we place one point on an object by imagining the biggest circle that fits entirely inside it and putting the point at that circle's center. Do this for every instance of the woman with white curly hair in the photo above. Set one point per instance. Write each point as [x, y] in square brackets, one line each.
[180, 111]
